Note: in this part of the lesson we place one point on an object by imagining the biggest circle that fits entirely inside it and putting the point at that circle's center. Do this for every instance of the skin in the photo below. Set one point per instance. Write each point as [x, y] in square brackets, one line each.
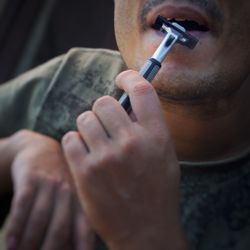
[45, 211]
[207, 88]
[127, 183]
[126, 171]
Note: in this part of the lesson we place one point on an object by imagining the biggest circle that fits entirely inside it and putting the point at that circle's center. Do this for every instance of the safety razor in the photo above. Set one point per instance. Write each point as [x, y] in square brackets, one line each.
[175, 33]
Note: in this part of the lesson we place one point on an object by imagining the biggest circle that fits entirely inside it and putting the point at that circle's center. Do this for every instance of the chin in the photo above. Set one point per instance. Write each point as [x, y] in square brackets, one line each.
[187, 85]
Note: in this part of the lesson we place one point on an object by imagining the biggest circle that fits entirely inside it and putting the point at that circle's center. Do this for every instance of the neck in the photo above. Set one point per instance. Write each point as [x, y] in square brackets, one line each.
[210, 130]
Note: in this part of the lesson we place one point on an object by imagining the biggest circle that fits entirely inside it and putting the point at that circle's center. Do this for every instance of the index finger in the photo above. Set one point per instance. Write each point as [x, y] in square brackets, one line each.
[143, 97]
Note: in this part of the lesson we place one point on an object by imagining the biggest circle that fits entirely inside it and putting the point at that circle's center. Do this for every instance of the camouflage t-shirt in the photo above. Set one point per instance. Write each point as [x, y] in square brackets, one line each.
[215, 201]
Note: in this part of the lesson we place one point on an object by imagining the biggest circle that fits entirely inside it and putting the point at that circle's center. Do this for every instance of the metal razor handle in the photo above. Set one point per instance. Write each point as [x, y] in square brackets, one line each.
[148, 71]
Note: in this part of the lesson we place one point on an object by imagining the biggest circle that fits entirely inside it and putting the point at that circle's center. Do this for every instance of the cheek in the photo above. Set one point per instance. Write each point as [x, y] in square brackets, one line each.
[127, 37]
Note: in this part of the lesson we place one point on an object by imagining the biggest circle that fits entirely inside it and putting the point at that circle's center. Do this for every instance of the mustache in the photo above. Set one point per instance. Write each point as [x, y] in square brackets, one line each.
[210, 7]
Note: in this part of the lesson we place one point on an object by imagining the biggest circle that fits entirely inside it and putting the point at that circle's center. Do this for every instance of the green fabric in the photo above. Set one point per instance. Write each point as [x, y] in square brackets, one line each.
[21, 98]
[84, 76]
[215, 196]
[216, 204]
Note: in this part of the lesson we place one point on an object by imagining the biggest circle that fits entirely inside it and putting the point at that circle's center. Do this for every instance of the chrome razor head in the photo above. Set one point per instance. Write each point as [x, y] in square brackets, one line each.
[184, 38]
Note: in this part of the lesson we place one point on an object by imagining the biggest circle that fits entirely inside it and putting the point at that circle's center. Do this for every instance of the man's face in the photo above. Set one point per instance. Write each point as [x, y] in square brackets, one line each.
[218, 65]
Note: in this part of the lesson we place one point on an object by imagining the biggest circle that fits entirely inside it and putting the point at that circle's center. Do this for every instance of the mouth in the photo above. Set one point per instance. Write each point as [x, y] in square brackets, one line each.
[190, 25]
[193, 20]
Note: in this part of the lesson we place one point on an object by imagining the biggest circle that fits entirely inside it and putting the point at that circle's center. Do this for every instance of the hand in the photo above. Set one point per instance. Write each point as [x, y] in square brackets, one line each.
[126, 170]
[45, 213]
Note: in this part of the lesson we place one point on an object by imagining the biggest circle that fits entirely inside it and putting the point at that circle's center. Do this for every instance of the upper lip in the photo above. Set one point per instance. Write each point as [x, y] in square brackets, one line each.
[178, 13]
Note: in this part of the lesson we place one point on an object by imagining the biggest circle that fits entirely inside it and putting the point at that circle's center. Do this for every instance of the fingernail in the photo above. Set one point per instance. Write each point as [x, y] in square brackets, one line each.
[11, 243]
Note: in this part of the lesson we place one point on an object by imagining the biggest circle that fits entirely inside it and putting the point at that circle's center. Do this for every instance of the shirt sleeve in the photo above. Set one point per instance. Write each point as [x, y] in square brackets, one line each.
[22, 97]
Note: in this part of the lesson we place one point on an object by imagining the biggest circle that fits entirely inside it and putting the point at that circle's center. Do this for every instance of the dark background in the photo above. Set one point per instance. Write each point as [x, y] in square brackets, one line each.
[33, 31]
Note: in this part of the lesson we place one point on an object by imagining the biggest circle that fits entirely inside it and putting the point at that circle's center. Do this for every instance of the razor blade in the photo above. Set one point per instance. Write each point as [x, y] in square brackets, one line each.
[184, 38]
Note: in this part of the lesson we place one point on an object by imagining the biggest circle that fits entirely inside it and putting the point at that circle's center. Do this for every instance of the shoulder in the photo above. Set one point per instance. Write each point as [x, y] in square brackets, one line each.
[83, 76]
[94, 53]
[98, 61]
[84, 57]
[84, 70]
[21, 97]
[76, 59]
[75, 77]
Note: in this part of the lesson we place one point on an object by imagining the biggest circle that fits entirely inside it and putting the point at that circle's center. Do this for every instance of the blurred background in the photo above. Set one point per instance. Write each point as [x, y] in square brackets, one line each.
[33, 31]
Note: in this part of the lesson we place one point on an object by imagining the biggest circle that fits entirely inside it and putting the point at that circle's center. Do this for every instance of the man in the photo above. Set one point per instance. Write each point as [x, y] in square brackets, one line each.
[127, 169]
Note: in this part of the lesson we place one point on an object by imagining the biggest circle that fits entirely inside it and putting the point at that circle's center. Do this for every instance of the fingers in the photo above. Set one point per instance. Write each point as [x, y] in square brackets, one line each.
[109, 120]
[106, 120]
[92, 130]
[39, 219]
[112, 116]
[75, 150]
[144, 100]
[20, 211]
[59, 234]
[84, 236]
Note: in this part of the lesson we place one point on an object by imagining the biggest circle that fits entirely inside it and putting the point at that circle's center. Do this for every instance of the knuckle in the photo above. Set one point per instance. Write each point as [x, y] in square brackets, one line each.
[102, 102]
[84, 117]
[69, 136]
[35, 178]
[21, 136]
[128, 145]
[124, 75]
[50, 180]
[142, 88]
[107, 159]
[53, 181]
[23, 133]
[72, 147]
[66, 188]
[99, 165]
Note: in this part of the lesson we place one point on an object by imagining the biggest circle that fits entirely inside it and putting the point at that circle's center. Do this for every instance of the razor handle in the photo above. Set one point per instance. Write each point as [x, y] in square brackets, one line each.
[148, 71]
